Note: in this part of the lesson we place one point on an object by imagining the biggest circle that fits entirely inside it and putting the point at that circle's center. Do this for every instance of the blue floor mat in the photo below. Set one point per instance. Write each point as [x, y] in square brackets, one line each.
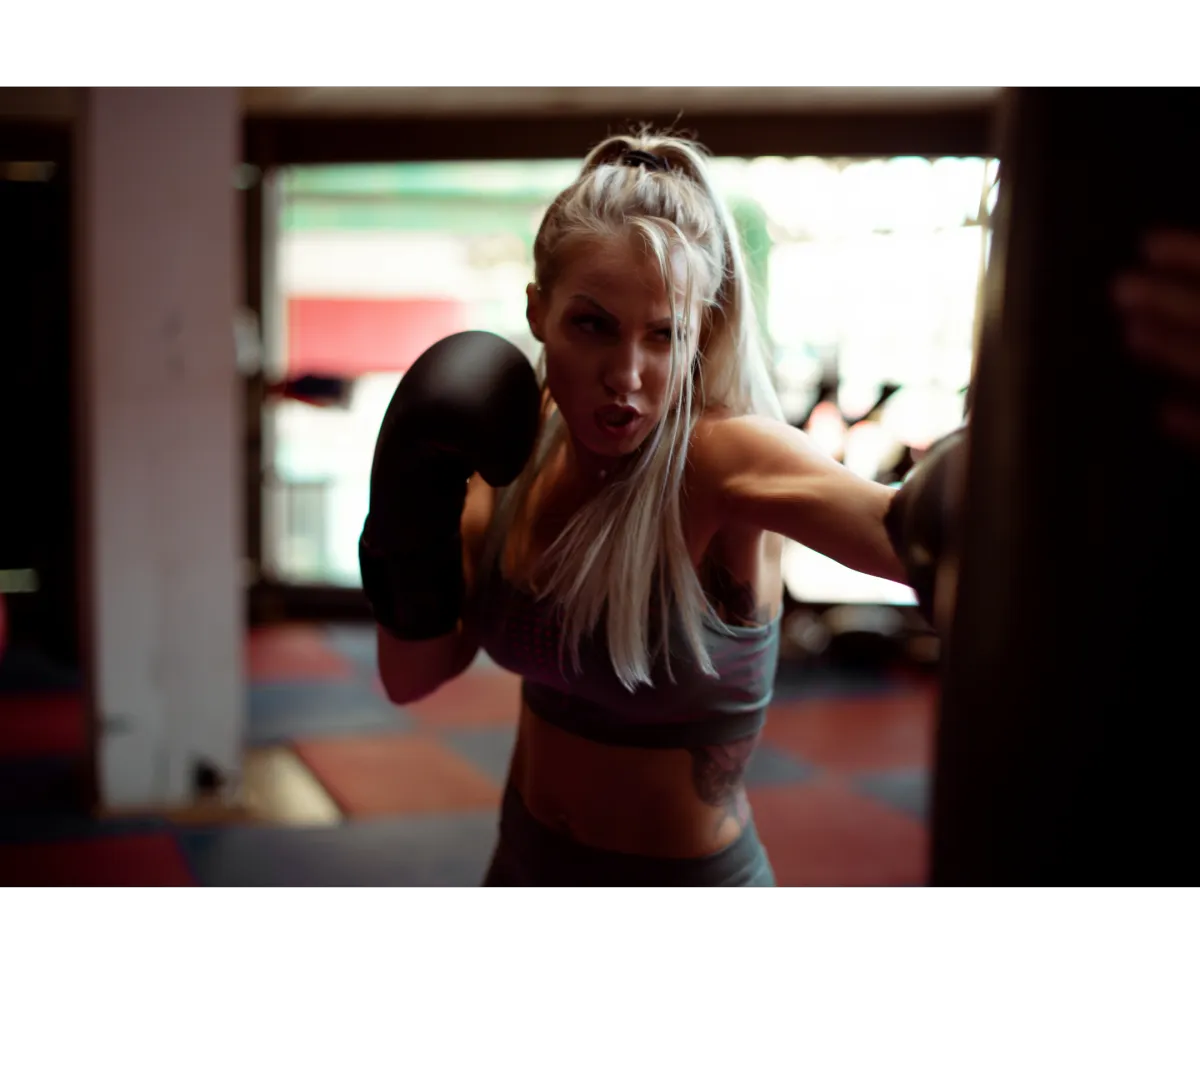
[353, 642]
[771, 766]
[435, 850]
[281, 711]
[489, 748]
[904, 790]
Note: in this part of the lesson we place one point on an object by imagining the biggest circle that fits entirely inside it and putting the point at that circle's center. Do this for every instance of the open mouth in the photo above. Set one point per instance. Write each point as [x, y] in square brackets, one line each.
[617, 419]
[617, 415]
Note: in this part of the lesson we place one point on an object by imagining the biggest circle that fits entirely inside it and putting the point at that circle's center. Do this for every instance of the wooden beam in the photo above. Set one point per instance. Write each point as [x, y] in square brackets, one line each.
[283, 141]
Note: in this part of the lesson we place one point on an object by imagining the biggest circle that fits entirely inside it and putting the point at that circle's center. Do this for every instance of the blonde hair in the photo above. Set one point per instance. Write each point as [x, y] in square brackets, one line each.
[623, 556]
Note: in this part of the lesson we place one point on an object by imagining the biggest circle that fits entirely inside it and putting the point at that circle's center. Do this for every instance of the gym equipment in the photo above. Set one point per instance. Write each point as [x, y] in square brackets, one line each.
[1068, 731]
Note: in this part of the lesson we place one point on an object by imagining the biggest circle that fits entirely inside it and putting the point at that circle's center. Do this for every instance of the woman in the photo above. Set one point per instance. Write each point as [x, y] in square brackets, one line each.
[665, 476]
[631, 571]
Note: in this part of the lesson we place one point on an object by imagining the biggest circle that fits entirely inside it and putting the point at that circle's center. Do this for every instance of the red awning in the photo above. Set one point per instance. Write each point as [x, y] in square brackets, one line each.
[350, 337]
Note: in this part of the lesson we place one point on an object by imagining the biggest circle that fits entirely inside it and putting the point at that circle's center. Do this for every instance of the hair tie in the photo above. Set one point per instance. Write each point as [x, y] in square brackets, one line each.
[637, 158]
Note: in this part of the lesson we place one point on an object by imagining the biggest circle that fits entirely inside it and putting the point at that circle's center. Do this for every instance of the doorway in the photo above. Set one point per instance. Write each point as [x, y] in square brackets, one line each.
[37, 433]
[866, 271]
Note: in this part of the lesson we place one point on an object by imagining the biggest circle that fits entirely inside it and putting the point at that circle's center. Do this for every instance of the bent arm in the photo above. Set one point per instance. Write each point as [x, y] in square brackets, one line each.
[412, 669]
[768, 475]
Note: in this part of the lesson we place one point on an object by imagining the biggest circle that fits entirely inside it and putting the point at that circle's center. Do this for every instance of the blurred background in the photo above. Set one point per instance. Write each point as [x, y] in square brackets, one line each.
[867, 272]
[212, 294]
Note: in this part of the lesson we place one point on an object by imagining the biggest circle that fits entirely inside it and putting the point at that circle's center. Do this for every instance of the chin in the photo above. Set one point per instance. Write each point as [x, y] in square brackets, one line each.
[620, 452]
[605, 447]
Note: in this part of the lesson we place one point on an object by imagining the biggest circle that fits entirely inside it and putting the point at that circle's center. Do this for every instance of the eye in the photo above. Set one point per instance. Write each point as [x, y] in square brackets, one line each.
[590, 324]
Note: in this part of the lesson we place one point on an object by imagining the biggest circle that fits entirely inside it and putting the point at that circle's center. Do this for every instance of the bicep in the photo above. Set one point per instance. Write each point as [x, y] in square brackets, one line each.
[777, 480]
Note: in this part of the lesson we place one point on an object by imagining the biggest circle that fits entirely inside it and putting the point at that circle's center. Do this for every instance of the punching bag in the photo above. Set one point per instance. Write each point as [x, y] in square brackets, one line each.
[1069, 723]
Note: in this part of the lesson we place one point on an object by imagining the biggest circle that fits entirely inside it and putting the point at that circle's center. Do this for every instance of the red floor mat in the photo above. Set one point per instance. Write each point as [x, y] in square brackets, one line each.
[36, 724]
[150, 860]
[396, 775]
[483, 696]
[856, 733]
[823, 834]
[292, 653]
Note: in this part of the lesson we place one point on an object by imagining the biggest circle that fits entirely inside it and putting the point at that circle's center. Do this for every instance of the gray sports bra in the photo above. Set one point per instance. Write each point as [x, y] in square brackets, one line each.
[521, 633]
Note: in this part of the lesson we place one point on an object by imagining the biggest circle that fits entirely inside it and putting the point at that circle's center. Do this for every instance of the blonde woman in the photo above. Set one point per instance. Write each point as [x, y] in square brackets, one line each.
[610, 528]
[631, 571]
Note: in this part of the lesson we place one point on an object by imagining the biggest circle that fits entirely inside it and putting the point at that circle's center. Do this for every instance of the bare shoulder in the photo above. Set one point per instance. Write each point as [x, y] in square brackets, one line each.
[758, 471]
[727, 449]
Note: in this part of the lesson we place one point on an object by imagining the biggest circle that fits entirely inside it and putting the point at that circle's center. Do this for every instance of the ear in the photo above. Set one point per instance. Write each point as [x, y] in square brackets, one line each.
[534, 310]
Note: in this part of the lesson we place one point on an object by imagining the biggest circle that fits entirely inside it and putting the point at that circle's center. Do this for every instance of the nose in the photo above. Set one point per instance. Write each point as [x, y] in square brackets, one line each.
[622, 373]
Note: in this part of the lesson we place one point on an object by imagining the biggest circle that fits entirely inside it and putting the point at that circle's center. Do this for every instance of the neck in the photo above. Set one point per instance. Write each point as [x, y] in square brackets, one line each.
[589, 470]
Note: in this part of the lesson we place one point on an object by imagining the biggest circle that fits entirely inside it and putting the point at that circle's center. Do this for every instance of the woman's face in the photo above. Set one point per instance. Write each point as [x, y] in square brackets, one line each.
[606, 326]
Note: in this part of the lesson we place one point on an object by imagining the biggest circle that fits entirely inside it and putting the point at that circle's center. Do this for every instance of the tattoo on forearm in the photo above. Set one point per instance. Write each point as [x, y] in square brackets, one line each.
[717, 772]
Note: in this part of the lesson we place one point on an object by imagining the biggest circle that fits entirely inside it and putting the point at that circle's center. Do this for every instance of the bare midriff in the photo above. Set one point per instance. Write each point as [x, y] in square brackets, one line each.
[662, 803]
[639, 801]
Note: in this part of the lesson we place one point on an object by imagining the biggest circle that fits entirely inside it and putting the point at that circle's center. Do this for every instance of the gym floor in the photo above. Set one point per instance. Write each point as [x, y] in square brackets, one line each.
[341, 788]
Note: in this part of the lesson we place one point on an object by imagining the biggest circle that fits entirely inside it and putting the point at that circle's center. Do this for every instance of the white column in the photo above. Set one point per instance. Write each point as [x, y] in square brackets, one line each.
[160, 460]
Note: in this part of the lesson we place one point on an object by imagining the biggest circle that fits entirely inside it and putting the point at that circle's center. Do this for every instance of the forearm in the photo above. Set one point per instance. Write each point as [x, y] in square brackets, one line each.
[837, 514]
[412, 669]
[771, 477]
[846, 523]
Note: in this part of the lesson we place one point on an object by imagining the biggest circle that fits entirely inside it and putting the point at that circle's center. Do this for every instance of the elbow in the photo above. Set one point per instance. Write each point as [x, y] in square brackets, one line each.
[408, 672]
[402, 687]
[411, 670]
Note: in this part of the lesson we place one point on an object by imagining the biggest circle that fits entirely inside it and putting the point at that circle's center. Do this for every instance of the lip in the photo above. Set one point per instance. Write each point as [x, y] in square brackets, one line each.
[618, 432]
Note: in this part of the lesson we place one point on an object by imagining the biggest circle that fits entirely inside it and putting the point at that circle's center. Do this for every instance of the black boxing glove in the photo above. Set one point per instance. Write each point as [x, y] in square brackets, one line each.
[922, 519]
[469, 404]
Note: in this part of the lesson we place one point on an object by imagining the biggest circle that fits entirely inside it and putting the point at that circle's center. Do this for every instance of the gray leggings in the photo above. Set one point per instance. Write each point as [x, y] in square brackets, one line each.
[531, 854]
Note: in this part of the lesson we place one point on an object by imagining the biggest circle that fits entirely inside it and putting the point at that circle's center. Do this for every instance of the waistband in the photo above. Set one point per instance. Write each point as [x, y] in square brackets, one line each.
[532, 854]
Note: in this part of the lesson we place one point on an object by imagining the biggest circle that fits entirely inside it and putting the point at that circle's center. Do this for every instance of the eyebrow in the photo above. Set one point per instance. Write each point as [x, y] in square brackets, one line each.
[662, 323]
